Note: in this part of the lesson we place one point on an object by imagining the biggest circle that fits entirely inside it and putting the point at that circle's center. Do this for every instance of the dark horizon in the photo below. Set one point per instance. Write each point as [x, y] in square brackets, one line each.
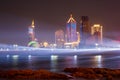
[50, 15]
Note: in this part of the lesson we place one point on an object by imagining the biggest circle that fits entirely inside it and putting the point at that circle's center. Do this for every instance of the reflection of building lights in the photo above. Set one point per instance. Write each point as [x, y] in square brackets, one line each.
[29, 56]
[54, 57]
[98, 58]
[75, 60]
[75, 57]
[54, 62]
[8, 56]
[15, 59]
[15, 56]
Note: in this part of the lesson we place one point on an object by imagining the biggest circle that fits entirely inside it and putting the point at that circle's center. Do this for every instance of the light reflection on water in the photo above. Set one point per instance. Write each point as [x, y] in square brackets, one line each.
[98, 61]
[75, 60]
[15, 60]
[54, 62]
[57, 62]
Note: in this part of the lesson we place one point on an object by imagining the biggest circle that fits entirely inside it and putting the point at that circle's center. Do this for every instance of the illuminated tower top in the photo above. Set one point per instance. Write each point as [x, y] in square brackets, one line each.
[71, 30]
[71, 19]
[33, 24]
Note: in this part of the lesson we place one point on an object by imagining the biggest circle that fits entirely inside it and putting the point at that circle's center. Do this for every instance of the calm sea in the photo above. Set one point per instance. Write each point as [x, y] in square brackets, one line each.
[57, 62]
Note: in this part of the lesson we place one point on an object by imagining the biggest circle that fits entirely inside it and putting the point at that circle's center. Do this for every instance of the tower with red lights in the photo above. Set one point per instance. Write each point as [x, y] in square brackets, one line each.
[71, 30]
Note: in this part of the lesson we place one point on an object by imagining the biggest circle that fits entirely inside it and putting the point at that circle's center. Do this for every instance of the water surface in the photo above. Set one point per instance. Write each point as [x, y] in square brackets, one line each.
[58, 62]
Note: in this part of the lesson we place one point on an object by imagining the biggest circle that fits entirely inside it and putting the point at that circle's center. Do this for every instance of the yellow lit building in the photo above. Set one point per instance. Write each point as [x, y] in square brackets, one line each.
[45, 44]
[97, 33]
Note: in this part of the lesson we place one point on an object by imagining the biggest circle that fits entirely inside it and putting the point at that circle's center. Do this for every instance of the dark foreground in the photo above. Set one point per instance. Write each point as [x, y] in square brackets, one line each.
[31, 75]
[70, 74]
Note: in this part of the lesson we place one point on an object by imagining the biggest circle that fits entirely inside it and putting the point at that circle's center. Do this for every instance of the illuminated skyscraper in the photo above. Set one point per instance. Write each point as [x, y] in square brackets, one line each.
[71, 33]
[84, 30]
[97, 33]
[31, 32]
[32, 40]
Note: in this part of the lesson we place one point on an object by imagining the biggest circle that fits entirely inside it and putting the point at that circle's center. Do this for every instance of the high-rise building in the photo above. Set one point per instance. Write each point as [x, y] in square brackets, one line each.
[31, 32]
[59, 38]
[84, 30]
[71, 33]
[97, 33]
[32, 40]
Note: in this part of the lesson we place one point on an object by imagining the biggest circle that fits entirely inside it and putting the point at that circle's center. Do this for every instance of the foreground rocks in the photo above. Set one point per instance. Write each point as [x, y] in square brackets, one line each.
[73, 74]
[31, 75]
[94, 73]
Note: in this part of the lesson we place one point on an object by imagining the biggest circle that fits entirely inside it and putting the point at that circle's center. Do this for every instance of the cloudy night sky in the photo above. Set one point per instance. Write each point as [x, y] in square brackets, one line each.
[50, 15]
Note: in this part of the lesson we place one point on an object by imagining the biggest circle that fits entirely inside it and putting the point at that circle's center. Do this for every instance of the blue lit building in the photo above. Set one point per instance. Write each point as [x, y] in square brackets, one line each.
[71, 33]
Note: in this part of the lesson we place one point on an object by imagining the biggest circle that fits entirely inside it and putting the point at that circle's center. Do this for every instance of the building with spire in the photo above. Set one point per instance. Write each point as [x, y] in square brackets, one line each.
[71, 33]
[32, 39]
[31, 32]
[72, 37]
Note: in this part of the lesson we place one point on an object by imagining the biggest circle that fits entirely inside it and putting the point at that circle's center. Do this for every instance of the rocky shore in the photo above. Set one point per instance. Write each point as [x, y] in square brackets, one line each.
[94, 73]
[31, 75]
[70, 74]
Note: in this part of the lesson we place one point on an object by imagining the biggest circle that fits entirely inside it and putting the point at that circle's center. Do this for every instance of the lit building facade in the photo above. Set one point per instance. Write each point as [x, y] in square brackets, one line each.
[59, 38]
[84, 30]
[71, 33]
[31, 32]
[32, 40]
[97, 33]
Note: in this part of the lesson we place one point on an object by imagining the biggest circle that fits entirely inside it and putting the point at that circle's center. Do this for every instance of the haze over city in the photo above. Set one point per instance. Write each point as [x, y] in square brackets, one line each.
[47, 39]
[50, 15]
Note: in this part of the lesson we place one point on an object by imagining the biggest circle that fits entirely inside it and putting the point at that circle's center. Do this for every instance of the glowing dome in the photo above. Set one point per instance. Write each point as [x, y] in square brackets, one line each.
[33, 44]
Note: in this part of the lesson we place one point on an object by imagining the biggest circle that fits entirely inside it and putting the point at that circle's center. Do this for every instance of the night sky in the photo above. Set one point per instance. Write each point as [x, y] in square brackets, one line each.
[50, 15]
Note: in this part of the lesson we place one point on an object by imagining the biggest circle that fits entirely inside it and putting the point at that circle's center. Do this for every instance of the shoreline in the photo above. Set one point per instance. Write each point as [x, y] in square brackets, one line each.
[67, 74]
[94, 73]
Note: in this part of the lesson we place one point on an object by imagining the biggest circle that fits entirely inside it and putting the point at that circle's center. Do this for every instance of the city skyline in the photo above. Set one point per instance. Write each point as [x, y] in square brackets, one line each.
[49, 16]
